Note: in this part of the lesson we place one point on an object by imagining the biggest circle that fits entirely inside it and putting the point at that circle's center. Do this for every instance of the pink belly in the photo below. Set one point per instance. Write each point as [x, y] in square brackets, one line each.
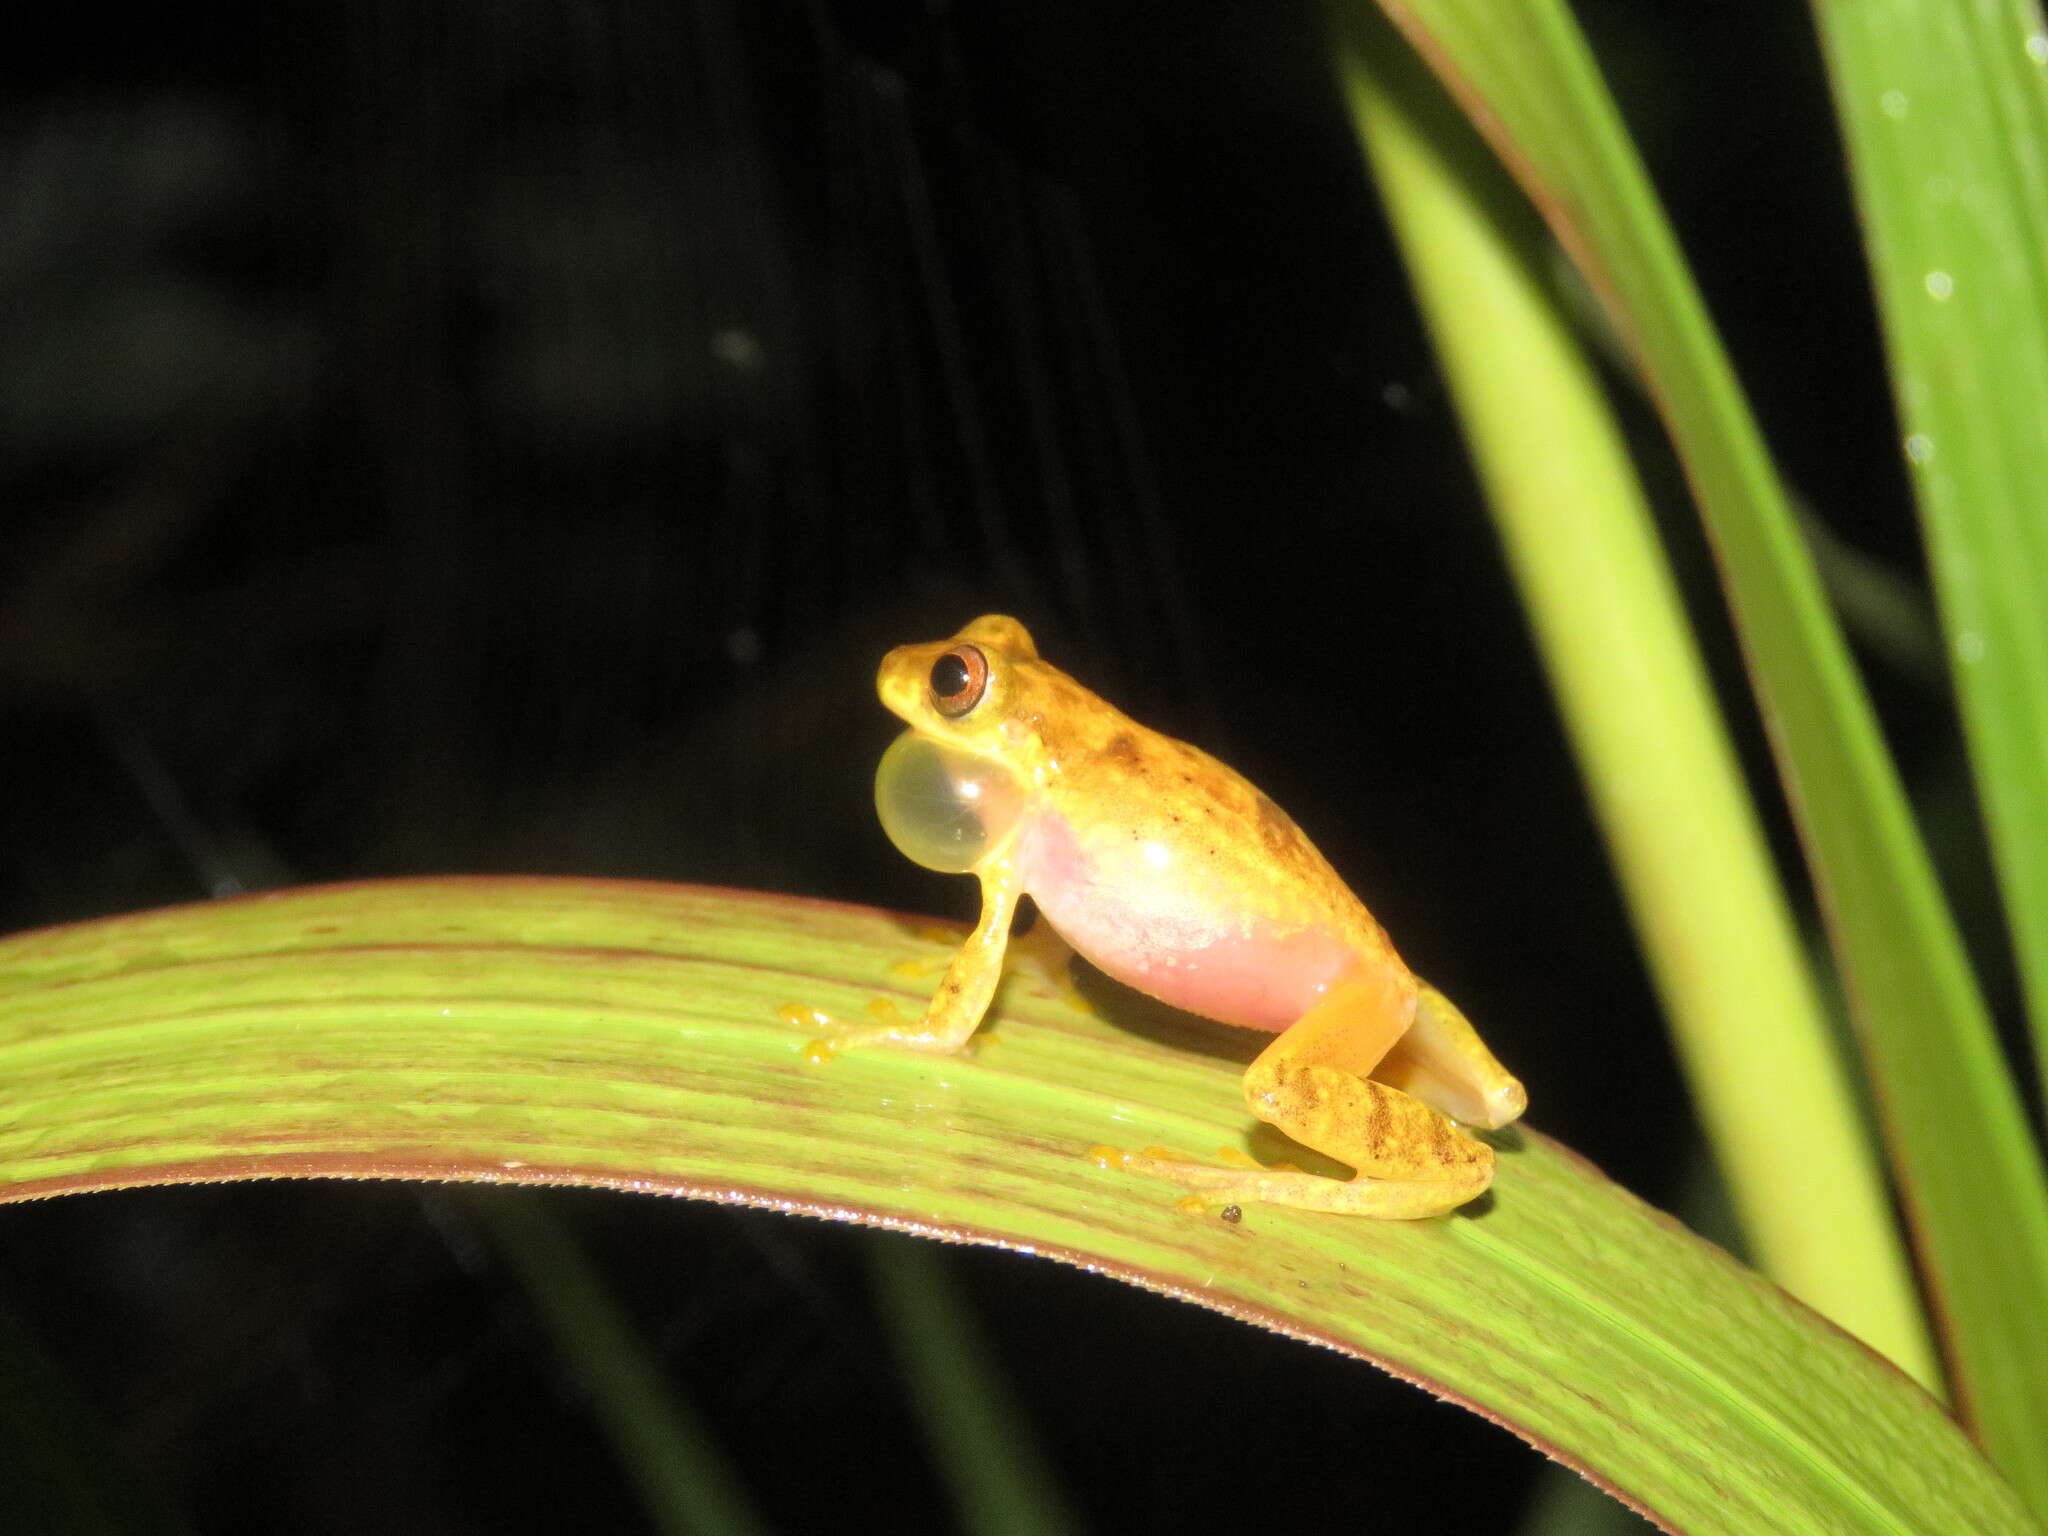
[1189, 947]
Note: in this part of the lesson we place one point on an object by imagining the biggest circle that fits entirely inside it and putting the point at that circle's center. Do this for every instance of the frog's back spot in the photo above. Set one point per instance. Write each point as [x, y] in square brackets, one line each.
[1276, 830]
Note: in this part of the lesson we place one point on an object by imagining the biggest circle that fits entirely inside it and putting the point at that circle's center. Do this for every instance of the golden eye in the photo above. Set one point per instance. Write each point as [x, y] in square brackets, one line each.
[958, 680]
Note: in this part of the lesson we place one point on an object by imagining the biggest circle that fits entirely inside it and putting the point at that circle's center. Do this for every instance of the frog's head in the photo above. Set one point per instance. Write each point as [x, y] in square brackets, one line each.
[972, 692]
[953, 787]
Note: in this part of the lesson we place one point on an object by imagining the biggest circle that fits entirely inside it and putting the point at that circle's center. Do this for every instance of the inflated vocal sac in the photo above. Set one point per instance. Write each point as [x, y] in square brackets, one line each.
[943, 808]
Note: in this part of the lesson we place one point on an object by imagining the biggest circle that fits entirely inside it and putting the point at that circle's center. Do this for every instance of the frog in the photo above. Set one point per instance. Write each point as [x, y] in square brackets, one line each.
[1171, 873]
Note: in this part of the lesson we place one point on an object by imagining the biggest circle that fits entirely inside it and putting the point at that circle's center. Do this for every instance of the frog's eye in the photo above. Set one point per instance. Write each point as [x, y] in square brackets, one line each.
[958, 680]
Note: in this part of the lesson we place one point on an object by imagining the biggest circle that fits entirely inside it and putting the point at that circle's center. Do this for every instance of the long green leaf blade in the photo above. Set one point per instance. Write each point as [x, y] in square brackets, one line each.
[978, 1433]
[1944, 107]
[686, 1486]
[627, 1036]
[1971, 1173]
[1644, 724]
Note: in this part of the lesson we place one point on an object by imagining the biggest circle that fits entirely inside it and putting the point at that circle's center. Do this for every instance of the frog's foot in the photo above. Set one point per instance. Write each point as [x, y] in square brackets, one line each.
[1411, 1160]
[891, 1028]
[1387, 1199]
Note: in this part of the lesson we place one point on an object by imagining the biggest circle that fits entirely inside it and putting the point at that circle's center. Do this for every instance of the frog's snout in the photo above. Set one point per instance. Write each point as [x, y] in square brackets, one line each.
[899, 682]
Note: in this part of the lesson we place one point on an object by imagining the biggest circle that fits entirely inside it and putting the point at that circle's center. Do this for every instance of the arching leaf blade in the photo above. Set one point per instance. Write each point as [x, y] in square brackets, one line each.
[625, 1036]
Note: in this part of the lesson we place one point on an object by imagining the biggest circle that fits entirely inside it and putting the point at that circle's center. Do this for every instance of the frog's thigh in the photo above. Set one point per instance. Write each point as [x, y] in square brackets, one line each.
[1411, 1160]
[1311, 1083]
[1443, 1062]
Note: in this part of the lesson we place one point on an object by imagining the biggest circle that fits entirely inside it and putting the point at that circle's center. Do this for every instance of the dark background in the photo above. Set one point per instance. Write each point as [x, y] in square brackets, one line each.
[448, 436]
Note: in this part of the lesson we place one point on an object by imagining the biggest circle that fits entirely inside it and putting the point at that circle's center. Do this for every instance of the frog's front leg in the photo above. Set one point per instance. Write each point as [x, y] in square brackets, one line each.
[1412, 1161]
[956, 1009]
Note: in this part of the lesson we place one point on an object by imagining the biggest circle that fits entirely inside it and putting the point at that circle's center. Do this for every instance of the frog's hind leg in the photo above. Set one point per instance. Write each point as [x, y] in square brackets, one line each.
[1443, 1062]
[1412, 1161]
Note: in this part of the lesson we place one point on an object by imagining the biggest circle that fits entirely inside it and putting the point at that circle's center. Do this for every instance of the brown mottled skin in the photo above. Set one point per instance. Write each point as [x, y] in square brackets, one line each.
[1171, 871]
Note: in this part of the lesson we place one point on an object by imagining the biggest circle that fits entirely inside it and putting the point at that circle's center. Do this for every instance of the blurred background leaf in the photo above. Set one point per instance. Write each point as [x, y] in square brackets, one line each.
[1944, 114]
[1687, 842]
[1958, 1134]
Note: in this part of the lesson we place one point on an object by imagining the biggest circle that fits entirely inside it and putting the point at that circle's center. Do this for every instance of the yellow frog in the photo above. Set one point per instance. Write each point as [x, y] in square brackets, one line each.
[1177, 877]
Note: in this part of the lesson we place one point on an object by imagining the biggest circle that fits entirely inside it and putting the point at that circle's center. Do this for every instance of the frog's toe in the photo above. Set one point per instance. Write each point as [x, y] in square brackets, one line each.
[906, 1035]
[1387, 1199]
[822, 1048]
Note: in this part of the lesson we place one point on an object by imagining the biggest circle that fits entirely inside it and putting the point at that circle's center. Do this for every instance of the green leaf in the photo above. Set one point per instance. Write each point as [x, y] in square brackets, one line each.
[977, 1432]
[1643, 721]
[685, 1485]
[1944, 107]
[1955, 1128]
[627, 1036]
